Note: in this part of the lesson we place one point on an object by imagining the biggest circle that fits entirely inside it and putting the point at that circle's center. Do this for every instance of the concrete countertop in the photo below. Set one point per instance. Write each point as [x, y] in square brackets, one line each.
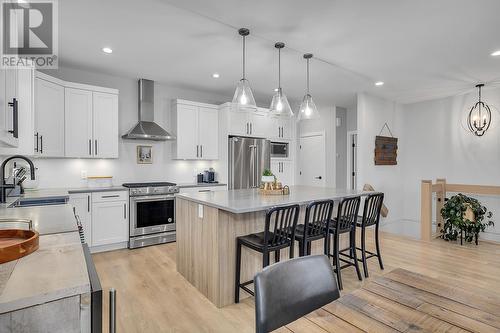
[56, 270]
[250, 200]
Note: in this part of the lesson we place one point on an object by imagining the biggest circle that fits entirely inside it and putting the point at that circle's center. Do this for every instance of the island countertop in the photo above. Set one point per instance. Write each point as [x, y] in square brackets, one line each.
[250, 200]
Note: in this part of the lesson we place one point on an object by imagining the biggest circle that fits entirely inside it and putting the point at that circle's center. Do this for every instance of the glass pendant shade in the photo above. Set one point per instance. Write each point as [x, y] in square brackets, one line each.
[280, 105]
[308, 109]
[479, 118]
[243, 96]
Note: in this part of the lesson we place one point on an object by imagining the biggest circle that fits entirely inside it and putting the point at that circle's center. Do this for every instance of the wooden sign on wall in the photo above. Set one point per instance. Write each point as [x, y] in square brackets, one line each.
[386, 150]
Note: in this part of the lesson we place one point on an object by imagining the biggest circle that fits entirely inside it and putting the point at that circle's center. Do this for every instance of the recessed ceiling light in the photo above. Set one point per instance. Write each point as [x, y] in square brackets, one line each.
[216, 75]
[496, 53]
[379, 83]
[107, 50]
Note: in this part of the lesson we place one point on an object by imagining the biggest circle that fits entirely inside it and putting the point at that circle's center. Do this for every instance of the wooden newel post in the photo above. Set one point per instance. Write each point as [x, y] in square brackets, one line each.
[426, 210]
[440, 201]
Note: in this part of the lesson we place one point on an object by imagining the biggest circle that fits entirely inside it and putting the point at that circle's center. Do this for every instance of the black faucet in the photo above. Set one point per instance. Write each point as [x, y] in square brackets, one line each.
[3, 185]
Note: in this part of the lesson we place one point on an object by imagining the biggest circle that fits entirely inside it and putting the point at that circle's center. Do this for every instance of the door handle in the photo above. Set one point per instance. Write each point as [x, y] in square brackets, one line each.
[319, 177]
[15, 123]
[36, 147]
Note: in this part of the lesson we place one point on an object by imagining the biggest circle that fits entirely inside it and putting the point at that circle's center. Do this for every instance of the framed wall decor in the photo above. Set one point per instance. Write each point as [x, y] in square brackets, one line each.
[144, 154]
[386, 148]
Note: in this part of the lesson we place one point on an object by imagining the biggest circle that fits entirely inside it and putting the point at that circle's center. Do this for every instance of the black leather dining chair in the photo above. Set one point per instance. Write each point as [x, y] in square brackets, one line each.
[288, 290]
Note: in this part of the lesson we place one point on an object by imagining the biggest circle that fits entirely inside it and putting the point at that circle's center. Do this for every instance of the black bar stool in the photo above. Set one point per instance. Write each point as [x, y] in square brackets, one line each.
[345, 222]
[280, 221]
[316, 224]
[371, 216]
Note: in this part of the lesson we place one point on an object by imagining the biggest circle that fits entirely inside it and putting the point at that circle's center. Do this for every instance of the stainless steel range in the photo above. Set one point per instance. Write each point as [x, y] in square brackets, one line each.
[152, 213]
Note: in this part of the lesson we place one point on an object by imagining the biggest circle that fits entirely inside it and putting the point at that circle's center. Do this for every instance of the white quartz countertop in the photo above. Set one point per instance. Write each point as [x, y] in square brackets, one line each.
[250, 200]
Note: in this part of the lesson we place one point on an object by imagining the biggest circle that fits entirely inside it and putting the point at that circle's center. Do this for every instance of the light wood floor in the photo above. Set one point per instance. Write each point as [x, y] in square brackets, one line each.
[153, 297]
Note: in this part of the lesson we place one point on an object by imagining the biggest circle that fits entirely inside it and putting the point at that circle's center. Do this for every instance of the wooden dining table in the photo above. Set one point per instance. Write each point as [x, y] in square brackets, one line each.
[404, 301]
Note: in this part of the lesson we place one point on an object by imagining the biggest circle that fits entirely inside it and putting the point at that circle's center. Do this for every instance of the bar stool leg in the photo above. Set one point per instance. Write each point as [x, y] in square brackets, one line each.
[377, 244]
[238, 272]
[277, 256]
[352, 236]
[265, 259]
[309, 248]
[301, 248]
[363, 251]
[337, 259]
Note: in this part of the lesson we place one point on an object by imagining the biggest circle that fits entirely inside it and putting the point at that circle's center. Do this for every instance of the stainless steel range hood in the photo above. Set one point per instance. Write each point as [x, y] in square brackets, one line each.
[146, 128]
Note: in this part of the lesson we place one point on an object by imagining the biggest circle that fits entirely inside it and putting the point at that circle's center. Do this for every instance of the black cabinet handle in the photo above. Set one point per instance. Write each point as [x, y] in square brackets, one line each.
[251, 129]
[90, 146]
[15, 119]
[248, 131]
[125, 211]
[201, 150]
[88, 203]
[110, 196]
[197, 151]
[36, 147]
[41, 144]
[95, 148]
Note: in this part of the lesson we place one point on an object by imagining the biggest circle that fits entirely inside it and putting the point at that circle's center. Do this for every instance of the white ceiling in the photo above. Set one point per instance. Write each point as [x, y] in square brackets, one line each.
[421, 49]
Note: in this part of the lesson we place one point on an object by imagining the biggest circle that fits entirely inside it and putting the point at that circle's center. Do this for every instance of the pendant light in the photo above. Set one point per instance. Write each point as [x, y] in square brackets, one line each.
[308, 109]
[279, 103]
[243, 96]
[479, 118]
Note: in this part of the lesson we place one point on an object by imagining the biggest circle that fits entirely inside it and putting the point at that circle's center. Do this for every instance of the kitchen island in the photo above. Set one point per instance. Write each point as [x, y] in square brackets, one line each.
[209, 222]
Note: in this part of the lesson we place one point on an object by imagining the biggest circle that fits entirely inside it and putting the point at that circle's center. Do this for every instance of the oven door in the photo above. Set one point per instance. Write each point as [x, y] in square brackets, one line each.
[152, 214]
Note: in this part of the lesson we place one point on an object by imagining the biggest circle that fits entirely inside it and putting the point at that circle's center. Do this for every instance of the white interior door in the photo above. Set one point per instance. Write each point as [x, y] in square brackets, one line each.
[312, 159]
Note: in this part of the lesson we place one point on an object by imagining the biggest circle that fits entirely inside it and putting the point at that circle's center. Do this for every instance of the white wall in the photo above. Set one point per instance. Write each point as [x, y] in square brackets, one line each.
[433, 142]
[439, 146]
[66, 172]
[372, 113]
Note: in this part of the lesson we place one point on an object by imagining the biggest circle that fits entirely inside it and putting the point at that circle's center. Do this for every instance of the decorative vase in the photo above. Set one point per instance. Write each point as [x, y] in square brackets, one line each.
[267, 179]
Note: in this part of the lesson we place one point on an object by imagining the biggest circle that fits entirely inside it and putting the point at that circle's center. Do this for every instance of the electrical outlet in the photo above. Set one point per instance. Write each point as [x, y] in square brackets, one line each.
[200, 211]
[83, 174]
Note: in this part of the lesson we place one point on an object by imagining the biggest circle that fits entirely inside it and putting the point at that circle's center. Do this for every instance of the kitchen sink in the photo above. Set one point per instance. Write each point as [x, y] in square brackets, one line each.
[30, 202]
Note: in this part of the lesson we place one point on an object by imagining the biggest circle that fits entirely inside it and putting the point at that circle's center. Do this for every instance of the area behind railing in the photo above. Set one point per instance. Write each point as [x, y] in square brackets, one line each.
[440, 187]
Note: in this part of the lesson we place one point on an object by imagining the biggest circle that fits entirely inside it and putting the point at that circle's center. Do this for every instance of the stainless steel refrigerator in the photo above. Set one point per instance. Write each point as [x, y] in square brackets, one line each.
[248, 158]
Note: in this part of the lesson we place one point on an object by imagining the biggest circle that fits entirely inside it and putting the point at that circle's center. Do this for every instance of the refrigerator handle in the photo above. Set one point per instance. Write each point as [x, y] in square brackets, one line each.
[256, 160]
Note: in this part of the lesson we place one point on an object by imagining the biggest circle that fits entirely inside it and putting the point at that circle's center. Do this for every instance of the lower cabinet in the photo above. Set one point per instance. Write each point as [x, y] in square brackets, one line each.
[104, 217]
[283, 170]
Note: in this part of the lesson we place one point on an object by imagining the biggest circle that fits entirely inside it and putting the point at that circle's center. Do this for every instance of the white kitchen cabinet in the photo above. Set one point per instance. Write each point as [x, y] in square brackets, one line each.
[283, 170]
[105, 124]
[238, 123]
[109, 221]
[249, 123]
[78, 122]
[282, 128]
[259, 124]
[49, 119]
[81, 203]
[196, 131]
[23, 93]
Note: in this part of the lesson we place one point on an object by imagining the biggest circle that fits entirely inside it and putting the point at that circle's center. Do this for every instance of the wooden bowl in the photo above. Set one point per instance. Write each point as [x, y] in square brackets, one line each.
[17, 243]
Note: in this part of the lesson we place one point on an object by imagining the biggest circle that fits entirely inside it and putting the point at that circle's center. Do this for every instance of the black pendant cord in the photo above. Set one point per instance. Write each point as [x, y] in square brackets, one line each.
[243, 57]
[279, 71]
[308, 76]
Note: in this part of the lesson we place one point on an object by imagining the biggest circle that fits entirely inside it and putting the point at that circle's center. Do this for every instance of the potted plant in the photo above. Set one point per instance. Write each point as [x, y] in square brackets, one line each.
[268, 176]
[464, 216]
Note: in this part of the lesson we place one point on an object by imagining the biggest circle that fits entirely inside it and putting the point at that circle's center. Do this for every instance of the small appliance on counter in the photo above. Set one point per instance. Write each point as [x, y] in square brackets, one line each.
[209, 176]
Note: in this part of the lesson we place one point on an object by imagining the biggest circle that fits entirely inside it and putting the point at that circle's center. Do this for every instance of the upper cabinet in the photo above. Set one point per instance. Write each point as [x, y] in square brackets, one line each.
[16, 108]
[16, 111]
[49, 119]
[196, 126]
[91, 123]
[258, 123]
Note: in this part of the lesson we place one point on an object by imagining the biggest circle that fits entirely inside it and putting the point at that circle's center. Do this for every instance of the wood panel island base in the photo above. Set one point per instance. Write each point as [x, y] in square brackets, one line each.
[208, 224]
